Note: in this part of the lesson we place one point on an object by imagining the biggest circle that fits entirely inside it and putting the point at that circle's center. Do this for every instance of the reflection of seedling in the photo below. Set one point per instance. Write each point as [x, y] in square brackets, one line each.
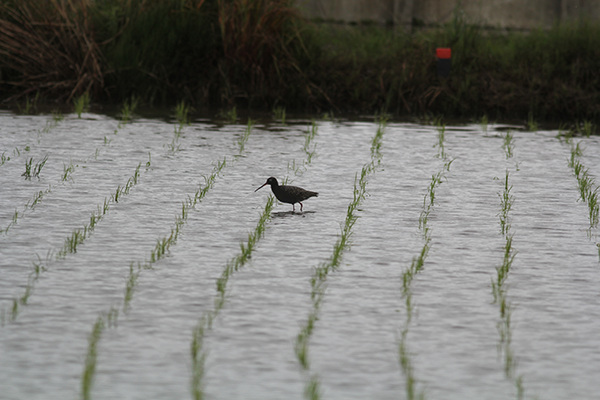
[279, 113]
[29, 106]
[484, 123]
[532, 124]
[82, 104]
[230, 115]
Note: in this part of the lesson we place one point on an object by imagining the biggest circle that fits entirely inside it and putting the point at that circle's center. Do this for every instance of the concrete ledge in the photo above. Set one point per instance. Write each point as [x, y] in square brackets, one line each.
[515, 14]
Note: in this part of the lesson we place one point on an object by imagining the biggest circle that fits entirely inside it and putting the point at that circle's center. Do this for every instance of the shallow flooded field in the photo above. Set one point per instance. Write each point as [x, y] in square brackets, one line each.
[137, 262]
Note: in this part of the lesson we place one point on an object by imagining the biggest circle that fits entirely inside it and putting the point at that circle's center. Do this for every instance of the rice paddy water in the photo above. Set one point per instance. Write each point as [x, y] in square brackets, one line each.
[439, 261]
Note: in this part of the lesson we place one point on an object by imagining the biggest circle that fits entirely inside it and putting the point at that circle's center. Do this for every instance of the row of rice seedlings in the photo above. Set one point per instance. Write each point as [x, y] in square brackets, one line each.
[585, 128]
[197, 352]
[160, 250]
[588, 190]
[30, 106]
[416, 266]
[157, 253]
[318, 281]
[76, 238]
[500, 290]
[39, 195]
[81, 104]
[299, 168]
[34, 172]
[52, 123]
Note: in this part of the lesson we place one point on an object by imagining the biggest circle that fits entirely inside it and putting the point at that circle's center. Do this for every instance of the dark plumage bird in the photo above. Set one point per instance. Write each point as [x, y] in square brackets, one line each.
[289, 194]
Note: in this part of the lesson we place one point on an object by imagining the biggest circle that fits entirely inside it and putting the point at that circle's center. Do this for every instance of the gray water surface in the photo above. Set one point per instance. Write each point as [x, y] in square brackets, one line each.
[554, 283]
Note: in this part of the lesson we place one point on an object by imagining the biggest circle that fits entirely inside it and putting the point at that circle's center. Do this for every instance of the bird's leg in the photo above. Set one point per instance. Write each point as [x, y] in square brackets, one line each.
[300, 206]
[293, 207]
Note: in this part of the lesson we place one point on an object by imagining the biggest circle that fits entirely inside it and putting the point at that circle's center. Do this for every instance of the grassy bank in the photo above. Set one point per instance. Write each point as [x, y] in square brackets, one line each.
[261, 54]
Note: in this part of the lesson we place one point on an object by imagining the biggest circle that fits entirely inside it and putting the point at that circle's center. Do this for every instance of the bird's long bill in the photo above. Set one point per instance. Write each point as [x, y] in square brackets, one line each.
[260, 187]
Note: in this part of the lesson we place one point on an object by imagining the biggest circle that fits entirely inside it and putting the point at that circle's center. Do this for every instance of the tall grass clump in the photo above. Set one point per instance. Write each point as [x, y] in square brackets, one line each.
[50, 46]
[262, 53]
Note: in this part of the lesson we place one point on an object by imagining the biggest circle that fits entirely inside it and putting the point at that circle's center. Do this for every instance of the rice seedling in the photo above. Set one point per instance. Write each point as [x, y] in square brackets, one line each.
[174, 146]
[57, 116]
[129, 107]
[440, 144]
[34, 171]
[67, 171]
[588, 190]
[279, 114]
[230, 116]
[587, 128]
[508, 144]
[308, 138]
[376, 142]
[4, 158]
[27, 173]
[82, 104]
[182, 114]
[506, 201]
[244, 137]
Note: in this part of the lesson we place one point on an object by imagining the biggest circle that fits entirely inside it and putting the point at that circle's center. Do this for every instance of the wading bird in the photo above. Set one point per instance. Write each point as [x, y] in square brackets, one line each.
[289, 194]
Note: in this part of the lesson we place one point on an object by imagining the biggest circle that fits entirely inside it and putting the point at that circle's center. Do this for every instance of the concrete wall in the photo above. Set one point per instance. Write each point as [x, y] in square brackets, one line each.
[518, 14]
